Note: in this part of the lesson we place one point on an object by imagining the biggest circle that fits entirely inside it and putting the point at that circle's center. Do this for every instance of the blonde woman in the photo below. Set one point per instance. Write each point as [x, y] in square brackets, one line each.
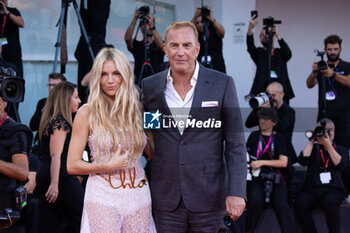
[117, 197]
[60, 194]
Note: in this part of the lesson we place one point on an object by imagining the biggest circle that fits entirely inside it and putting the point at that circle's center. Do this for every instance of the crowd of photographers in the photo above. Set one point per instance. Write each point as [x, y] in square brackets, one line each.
[270, 148]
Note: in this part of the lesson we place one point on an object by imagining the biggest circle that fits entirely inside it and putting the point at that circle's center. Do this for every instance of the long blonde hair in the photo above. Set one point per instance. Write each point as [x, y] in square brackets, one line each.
[124, 120]
[59, 102]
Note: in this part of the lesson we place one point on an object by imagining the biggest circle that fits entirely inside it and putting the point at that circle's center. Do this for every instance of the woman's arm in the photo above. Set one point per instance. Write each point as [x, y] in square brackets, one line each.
[80, 133]
[282, 162]
[57, 140]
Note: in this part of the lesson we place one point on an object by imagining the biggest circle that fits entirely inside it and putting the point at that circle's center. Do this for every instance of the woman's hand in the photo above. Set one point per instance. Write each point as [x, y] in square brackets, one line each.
[52, 193]
[256, 164]
[119, 160]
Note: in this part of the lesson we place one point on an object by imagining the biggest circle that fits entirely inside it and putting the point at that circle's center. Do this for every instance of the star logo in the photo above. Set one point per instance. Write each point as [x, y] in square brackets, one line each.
[151, 120]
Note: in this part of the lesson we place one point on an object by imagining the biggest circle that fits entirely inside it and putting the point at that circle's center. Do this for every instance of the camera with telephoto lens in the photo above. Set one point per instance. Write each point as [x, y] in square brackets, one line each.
[270, 21]
[12, 87]
[144, 12]
[321, 65]
[318, 132]
[270, 178]
[258, 100]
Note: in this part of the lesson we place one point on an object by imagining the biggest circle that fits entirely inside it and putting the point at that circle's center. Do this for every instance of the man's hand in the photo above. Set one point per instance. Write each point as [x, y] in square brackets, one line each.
[197, 13]
[137, 14]
[252, 23]
[315, 67]
[325, 141]
[327, 73]
[235, 206]
[210, 17]
[257, 164]
[4, 9]
[150, 19]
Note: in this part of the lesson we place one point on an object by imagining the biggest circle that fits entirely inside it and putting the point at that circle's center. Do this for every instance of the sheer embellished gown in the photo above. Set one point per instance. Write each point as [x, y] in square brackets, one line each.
[119, 201]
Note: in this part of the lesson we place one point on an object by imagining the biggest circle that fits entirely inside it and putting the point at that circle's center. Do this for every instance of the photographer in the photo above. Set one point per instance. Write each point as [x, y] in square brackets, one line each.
[11, 48]
[323, 185]
[152, 41]
[15, 142]
[279, 58]
[267, 151]
[216, 33]
[286, 116]
[333, 79]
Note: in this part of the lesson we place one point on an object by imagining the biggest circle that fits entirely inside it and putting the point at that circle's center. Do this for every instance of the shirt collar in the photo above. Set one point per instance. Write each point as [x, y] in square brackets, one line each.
[193, 79]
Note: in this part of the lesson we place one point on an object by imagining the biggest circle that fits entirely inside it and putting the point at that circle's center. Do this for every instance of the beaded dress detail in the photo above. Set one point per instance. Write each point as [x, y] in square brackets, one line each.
[119, 201]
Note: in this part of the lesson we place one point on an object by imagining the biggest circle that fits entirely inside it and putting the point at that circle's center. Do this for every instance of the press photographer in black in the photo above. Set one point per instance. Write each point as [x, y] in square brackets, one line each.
[212, 41]
[333, 79]
[323, 186]
[279, 58]
[15, 143]
[150, 49]
[286, 115]
[268, 154]
[11, 20]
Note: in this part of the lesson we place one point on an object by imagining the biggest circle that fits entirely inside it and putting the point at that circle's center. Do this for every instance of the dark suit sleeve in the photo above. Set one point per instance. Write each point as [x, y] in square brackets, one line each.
[235, 150]
[286, 53]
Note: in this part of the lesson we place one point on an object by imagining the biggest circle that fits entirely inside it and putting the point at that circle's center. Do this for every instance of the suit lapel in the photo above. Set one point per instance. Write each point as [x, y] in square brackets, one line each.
[164, 108]
[201, 90]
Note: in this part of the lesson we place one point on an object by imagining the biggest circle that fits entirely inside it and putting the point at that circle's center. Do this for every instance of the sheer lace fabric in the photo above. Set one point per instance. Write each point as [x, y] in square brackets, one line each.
[123, 210]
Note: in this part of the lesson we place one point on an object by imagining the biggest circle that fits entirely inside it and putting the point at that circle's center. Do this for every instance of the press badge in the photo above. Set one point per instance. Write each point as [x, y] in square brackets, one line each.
[256, 172]
[273, 74]
[330, 95]
[325, 177]
[3, 41]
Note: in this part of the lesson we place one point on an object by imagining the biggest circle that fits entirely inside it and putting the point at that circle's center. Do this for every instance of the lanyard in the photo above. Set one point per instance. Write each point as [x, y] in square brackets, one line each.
[322, 156]
[3, 118]
[259, 150]
[331, 81]
[324, 162]
[3, 26]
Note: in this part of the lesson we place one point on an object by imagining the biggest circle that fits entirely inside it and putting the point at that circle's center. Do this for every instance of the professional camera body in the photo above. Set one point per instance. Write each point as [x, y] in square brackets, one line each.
[258, 100]
[144, 12]
[270, 178]
[205, 13]
[322, 65]
[12, 212]
[318, 132]
[270, 21]
[12, 87]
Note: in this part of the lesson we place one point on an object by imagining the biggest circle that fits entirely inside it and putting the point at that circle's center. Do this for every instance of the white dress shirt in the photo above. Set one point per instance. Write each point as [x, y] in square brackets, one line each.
[179, 108]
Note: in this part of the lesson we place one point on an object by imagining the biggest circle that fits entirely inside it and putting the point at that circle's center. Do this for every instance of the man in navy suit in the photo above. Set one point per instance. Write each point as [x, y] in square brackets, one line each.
[199, 162]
